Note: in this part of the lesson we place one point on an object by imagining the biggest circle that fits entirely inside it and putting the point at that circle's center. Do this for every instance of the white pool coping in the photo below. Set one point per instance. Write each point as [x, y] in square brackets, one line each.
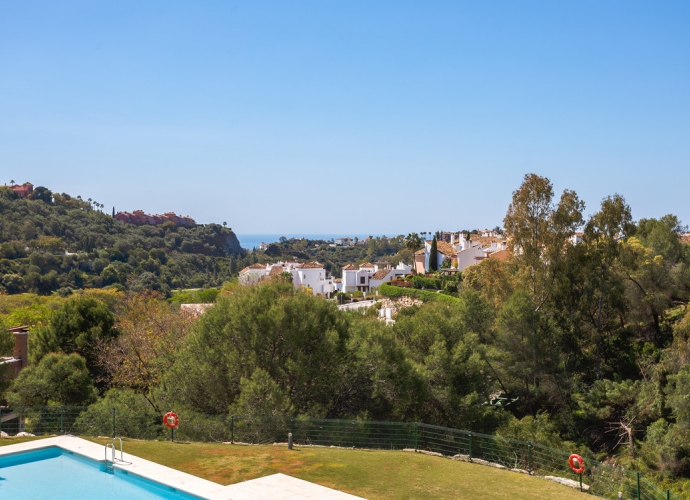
[274, 487]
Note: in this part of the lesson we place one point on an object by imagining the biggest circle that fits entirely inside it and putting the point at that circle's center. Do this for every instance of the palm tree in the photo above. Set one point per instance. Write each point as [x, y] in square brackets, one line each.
[413, 241]
[12, 183]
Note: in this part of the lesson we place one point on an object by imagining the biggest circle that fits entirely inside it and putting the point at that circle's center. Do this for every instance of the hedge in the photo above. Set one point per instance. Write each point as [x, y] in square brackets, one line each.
[395, 291]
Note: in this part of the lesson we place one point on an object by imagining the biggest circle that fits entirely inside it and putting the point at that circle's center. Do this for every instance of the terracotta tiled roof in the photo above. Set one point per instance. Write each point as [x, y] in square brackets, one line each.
[420, 252]
[445, 248]
[349, 267]
[500, 255]
[367, 265]
[276, 270]
[338, 280]
[253, 267]
[379, 275]
[311, 265]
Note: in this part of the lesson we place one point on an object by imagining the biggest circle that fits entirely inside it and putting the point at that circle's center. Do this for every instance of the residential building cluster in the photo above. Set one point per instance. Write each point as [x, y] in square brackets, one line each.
[349, 242]
[23, 190]
[313, 276]
[305, 275]
[140, 218]
[456, 250]
[460, 252]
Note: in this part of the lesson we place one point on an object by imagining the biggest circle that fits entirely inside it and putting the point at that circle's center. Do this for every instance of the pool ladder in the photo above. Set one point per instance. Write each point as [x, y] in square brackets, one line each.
[110, 464]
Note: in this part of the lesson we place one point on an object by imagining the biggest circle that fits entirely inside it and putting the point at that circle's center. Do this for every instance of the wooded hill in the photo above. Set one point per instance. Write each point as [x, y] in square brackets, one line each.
[56, 242]
[584, 347]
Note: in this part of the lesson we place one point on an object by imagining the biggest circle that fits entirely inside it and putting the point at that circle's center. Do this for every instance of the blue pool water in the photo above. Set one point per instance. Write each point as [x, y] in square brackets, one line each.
[55, 474]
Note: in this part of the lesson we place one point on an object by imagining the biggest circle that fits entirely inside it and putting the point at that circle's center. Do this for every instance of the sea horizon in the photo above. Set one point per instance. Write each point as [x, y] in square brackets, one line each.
[251, 241]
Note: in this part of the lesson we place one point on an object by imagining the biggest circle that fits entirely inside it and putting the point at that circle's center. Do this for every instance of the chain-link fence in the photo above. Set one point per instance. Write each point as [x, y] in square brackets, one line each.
[601, 479]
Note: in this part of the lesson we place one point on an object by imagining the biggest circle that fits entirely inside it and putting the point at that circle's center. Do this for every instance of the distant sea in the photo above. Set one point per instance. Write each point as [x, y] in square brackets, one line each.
[251, 241]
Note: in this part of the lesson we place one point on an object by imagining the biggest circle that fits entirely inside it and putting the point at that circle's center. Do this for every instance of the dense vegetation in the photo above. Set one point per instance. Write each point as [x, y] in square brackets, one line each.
[54, 242]
[585, 343]
[379, 248]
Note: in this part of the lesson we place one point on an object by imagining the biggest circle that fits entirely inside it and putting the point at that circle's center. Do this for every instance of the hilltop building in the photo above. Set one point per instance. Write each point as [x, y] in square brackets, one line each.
[139, 218]
[23, 190]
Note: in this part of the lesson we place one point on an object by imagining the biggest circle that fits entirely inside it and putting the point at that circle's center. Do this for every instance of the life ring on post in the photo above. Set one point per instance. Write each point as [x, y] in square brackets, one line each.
[577, 463]
[171, 419]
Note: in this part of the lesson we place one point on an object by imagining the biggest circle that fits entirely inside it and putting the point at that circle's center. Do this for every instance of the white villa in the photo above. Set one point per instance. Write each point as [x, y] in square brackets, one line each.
[310, 275]
[344, 242]
[369, 276]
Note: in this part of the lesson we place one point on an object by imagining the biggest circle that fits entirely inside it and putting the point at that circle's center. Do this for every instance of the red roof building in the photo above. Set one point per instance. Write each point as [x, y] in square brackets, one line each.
[22, 190]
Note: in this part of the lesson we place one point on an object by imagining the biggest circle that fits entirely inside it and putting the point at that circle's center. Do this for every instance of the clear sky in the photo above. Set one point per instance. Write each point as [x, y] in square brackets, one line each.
[352, 116]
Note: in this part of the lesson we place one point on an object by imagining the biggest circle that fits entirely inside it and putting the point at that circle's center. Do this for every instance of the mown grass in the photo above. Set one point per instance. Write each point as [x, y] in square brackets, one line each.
[375, 475]
[369, 474]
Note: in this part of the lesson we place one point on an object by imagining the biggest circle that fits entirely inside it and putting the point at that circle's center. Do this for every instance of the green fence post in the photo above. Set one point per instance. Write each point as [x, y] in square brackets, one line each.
[668, 494]
[62, 420]
[469, 434]
[638, 486]
[113, 410]
[529, 457]
[415, 437]
[232, 429]
[292, 426]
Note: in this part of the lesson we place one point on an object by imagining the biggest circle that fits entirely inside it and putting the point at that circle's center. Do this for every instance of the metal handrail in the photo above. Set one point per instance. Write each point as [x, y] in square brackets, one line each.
[112, 462]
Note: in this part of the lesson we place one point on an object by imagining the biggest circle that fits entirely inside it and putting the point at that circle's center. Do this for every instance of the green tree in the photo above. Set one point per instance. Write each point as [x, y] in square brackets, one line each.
[413, 242]
[528, 347]
[59, 379]
[77, 327]
[261, 396]
[433, 255]
[539, 230]
[298, 339]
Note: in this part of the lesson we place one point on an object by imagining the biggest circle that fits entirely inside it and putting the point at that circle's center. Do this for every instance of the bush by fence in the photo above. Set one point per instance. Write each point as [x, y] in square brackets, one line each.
[604, 480]
[393, 292]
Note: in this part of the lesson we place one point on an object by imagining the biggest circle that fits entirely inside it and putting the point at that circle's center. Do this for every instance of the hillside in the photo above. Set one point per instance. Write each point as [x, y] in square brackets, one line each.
[380, 248]
[56, 242]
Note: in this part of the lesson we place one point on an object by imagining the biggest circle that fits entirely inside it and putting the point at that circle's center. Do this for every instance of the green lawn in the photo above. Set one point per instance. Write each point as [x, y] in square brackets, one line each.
[370, 474]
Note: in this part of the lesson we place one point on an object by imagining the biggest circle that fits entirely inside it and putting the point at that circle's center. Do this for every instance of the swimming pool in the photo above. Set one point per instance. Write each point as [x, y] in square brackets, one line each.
[57, 474]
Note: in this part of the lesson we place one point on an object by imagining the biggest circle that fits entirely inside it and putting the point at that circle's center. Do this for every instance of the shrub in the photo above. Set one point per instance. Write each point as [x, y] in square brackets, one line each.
[427, 296]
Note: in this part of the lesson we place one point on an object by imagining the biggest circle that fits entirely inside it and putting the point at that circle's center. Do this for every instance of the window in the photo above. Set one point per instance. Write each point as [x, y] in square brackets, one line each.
[362, 280]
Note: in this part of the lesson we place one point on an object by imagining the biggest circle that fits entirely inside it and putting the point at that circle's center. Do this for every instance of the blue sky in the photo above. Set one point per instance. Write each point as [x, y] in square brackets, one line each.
[352, 117]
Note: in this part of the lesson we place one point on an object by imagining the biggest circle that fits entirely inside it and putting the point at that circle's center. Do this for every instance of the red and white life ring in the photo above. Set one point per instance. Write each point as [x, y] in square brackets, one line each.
[171, 419]
[577, 463]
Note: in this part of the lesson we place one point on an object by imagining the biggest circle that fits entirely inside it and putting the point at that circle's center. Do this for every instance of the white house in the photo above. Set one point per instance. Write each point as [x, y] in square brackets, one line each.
[312, 275]
[577, 238]
[370, 275]
[344, 242]
[251, 275]
[469, 257]
[444, 251]
[356, 278]
[387, 275]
